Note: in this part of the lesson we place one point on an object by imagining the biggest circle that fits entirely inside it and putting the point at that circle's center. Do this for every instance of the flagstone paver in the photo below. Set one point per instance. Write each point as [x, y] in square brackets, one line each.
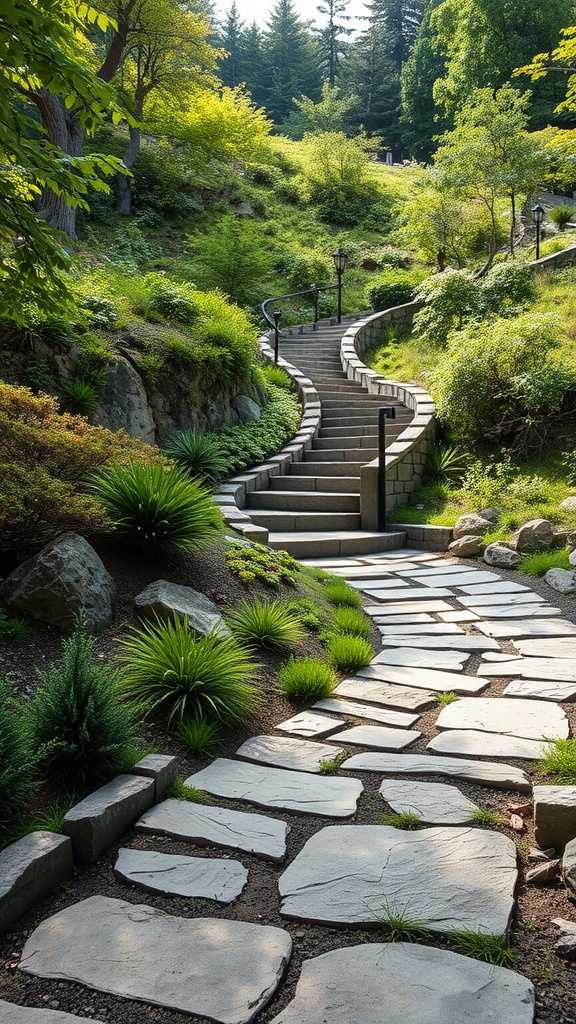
[276, 787]
[283, 752]
[403, 620]
[473, 743]
[396, 607]
[380, 692]
[561, 647]
[435, 803]
[424, 678]
[400, 982]
[463, 644]
[413, 657]
[443, 628]
[533, 668]
[410, 594]
[541, 688]
[452, 878]
[453, 579]
[217, 826]
[500, 776]
[535, 628]
[378, 736]
[532, 719]
[224, 970]
[306, 723]
[456, 616]
[514, 612]
[195, 877]
[447, 568]
[12, 1014]
[398, 719]
[383, 582]
[501, 587]
[488, 600]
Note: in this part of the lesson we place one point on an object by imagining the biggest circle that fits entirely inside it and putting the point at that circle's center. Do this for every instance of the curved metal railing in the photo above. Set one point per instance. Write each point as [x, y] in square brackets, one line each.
[314, 290]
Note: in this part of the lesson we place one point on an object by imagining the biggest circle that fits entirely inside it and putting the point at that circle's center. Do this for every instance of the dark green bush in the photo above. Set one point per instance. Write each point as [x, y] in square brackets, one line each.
[394, 288]
[79, 396]
[198, 454]
[16, 761]
[252, 443]
[561, 215]
[265, 623]
[506, 286]
[349, 653]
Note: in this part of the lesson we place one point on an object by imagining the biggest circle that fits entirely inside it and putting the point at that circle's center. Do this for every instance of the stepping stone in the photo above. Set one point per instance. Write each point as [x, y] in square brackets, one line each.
[446, 568]
[369, 571]
[398, 719]
[542, 689]
[500, 776]
[542, 628]
[451, 878]
[527, 611]
[297, 755]
[12, 1014]
[473, 743]
[217, 826]
[403, 620]
[402, 981]
[453, 616]
[531, 719]
[495, 656]
[395, 608]
[557, 669]
[502, 587]
[224, 970]
[563, 647]
[486, 600]
[424, 679]
[195, 877]
[453, 579]
[444, 629]
[308, 724]
[435, 803]
[414, 657]
[464, 643]
[410, 594]
[275, 787]
[379, 737]
[381, 583]
[381, 693]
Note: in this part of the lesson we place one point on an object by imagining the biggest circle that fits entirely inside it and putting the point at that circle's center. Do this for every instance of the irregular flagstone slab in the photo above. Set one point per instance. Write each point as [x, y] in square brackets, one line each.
[404, 620]
[383, 582]
[424, 678]
[12, 1014]
[527, 611]
[541, 688]
[382, 693]
[399, 719]
[473, 743]
[435, 803]
[486, 600]
[276, 787]
[533, 668]
[454, 579]
[217, 826]
[379, 737]
[451, 878]
[445, 629]
[444, 568]
[410, 594]
[454, 616]
[308, 724]
[297, 755]
[500, 776]
[534, 628]
[195, 877]
[359, 572]
[492, 656]
[397, 607]
[562, 647]
[224, 970]
[414, 657]
[402, 981]
[461, 644]
[501, 587]
[529, 718]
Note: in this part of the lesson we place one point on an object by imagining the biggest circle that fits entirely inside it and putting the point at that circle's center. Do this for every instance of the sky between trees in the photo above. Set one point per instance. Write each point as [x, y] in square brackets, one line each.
[258, 11]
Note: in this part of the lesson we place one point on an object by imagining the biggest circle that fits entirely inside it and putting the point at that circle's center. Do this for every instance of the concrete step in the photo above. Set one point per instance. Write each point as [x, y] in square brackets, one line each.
[288, 521]
[326, 484]
[342, 455]
[333, 544]
[355, 441]
[345, 429]
[303, 501]
[369, 418]
[331, 468]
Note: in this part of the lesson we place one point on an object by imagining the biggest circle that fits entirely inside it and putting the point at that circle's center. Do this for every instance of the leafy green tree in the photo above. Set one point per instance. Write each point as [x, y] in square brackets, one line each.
[329, 114]
[563, 59]
[234, 260]
[335, 171]
[290, 61]
[448, 228]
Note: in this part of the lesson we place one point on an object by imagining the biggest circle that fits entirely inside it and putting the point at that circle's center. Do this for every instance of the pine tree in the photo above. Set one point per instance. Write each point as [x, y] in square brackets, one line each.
[421, 120]
[230, 39]
[251, 63]
[330, 43]
[290, 61]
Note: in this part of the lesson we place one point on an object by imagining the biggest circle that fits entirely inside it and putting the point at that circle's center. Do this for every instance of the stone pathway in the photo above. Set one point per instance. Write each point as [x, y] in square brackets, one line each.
[440, 633]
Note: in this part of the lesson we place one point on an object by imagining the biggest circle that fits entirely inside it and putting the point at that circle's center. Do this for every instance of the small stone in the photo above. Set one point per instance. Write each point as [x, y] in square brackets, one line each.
[569, 866]
[562, 580]
[523, 808]
[536, 535]
[535, 854]
[466, 547]
[164, 600]
[554, 815]
[566, 944]
[569, 503]
[543, 873]
[517, 823]
[471, 525]
[501, 556]
[491, 514]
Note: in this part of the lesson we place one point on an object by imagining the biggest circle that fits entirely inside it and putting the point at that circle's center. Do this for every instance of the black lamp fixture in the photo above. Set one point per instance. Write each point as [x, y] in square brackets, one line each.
[538, 216]
[340, 260]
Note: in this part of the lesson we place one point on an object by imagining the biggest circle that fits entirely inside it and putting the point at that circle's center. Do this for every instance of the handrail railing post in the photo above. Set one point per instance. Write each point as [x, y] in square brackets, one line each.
[387, 412]
[315, 293]
[277, 313]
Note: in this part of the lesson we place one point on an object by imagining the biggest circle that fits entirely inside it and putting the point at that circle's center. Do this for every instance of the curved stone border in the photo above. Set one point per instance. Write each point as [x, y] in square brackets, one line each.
[231, 496]
[406, 456]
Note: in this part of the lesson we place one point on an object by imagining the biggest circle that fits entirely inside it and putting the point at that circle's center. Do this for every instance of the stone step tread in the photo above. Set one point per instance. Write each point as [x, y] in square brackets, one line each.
[304, 501]
[324, 484]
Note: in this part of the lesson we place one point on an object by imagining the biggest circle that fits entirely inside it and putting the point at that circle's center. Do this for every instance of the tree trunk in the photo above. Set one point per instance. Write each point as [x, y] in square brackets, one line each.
[65, 131]
[513, 225]
[124, 181]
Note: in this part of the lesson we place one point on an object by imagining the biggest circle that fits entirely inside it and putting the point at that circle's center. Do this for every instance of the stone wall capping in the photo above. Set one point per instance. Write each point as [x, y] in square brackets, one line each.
[29, 870]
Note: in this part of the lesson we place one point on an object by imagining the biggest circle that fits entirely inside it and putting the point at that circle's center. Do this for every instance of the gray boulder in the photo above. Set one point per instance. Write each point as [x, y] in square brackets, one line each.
[501, 556]
[572, 557]
[471, 525]
[168, 599]
[66, 578]
[247, 410]
[536, 535]
[569, 866]
[566, 944]
[466, 547]
[569, 503]
[123, 403]
[561, 580]
[243, 210]
[492, 514]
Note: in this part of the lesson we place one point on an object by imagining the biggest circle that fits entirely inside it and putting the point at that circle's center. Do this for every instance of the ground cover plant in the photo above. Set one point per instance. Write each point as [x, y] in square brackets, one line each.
[306, 679]
[559, 761]
[348, 653]
[265, 623]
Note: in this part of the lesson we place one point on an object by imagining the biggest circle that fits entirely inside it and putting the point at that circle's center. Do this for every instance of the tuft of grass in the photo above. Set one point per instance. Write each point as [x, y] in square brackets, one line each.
[349, 653]
[341, 594]
[198, 454]
[12, 630]
[484, 816]
[559, 760]
[306, 679]
[265, 623]
[331, 766]
[350, 621]
[399, 926]
[407, 820]
[178, 791]
[448, 697]
[199, 734]
[541, 561]
[492, 949]
[49, 820]
[543, 974]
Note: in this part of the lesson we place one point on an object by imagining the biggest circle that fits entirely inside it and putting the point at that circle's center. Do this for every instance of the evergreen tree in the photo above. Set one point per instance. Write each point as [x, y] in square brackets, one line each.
[230, 39]
[421, 119]
[290, 61]
[330, 44]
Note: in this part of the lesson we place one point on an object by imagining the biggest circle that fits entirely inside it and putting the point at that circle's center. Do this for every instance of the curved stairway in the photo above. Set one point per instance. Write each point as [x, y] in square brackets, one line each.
[314, 510]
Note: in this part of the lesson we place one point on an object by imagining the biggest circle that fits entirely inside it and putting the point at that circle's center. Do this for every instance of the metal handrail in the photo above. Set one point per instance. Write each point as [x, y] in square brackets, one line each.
[314, 290]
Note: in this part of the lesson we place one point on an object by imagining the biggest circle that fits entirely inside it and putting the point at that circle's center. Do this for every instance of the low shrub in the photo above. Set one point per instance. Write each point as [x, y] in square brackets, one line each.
[394, 288]
[156, 508]
[265, 623]
[445, 464]
[16, 759]
[560, 215]
[306, 679]
[12, 630]
[541, 561]
[258, 562]
[199, 455]
[253, 443]
[559, 760]
[79, 396]
[349, 653]
[170, 671]
[79, 729]
[198, 735]
[492, 949]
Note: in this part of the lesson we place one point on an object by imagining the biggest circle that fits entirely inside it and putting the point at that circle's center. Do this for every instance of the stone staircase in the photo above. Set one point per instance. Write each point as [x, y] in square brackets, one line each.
[314, 509]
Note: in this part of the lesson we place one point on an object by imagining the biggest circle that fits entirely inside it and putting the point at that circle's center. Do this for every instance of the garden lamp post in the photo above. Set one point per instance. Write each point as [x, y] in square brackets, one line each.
[538, 216]
[277, 313]
[340, 260]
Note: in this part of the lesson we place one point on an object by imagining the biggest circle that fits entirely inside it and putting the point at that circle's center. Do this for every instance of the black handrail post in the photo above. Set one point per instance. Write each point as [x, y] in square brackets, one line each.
[387, 412]
[315, 293]
[277, 313]
[340, 260]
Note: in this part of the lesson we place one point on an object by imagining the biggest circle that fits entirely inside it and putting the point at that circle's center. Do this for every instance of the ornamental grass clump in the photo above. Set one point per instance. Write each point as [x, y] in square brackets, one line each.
[340, 593]
[198, 454]
[157, 508]
[350, 621]
[168, 670]
[265, 623]
[349, 653]
[306, 679]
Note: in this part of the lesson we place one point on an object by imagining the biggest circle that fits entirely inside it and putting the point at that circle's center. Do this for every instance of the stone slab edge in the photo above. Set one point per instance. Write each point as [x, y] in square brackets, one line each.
[98, 820]
[163, 768]
[29, 870]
